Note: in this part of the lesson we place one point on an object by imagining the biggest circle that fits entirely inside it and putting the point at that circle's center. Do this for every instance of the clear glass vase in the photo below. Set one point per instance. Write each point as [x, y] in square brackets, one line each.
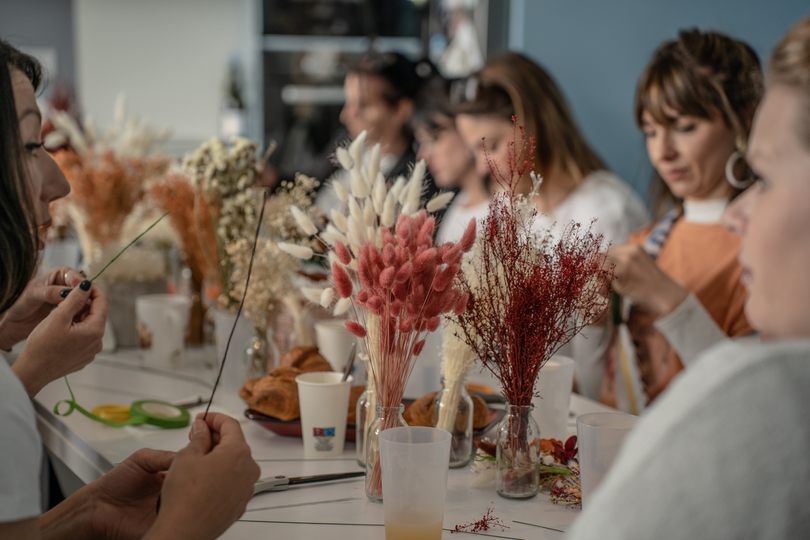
[517, 454]
[362, 413]
[387, 417]
[261, 354]
[453, 412]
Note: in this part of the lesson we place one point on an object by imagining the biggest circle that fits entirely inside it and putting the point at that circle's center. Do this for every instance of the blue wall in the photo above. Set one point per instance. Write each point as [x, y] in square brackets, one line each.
[597, 49]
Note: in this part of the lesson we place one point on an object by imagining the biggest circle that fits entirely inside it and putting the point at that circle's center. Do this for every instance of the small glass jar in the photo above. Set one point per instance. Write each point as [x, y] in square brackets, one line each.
[387, 417]
[261, 354]
[517, 454]
[453, 412]
[362, 412]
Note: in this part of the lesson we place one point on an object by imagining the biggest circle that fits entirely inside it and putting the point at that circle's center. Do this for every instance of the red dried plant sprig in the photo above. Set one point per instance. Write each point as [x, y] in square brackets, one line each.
[530, 295]
[519, 161]
[406, 284]
[484, 524]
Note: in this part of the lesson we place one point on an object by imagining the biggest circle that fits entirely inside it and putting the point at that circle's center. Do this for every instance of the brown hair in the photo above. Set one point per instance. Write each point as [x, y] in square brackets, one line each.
[18, 227]
[511, 84]
[702, 74]
[790, 65]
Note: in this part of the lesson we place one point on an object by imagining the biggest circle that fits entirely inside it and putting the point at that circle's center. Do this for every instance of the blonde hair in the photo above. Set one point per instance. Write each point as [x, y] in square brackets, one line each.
[790, 65]
[511, 84]
[702, 74]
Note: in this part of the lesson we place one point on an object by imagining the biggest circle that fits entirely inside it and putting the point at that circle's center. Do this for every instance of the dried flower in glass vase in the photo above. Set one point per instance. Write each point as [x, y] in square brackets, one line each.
[528, 296]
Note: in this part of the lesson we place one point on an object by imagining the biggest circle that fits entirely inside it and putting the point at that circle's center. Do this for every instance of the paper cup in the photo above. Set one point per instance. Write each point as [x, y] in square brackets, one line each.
[334, 342]
[324, 403]
[599, 438]
[554, 383]
[414, 463]
[162, 322]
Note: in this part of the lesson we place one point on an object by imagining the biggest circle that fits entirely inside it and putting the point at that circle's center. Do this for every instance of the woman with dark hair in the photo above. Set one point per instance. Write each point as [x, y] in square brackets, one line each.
[380, 91]
[576, 186]
[447, 159]
[723, 453]
[695, 104]
[63, 335]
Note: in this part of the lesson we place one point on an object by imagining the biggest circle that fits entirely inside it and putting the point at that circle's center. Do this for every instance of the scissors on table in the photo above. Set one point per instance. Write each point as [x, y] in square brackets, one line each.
[282, 483]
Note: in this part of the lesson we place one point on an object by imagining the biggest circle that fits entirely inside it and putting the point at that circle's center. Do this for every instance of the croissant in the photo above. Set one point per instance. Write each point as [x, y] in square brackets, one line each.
[275, 395]
[420, 413]
[306, 359]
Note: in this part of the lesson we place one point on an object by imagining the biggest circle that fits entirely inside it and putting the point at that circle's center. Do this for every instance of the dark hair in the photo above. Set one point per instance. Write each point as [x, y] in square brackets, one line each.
[18, 227]
[703, 74]
[511, 84]
[434, 104]
[403, 77]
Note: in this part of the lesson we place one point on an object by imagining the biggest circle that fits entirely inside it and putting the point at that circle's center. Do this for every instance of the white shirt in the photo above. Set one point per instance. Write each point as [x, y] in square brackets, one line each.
[20, 450]
[721, 454]
[618, 212]
[604, 196]
[458, 216]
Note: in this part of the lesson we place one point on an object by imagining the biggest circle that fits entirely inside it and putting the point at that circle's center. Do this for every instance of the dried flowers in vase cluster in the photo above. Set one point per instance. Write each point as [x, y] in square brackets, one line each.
[529, 294]
[386, 271]
[109, 175]
[191, 219]
[223, 177]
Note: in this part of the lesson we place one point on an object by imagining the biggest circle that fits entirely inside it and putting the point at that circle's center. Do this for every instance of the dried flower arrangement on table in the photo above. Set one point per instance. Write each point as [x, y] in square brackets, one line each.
[387, 274]
[110, 175]
[529, 295]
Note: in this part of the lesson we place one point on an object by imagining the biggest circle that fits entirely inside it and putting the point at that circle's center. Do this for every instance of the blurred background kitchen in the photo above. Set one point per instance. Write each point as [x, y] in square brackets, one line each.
[274, 69]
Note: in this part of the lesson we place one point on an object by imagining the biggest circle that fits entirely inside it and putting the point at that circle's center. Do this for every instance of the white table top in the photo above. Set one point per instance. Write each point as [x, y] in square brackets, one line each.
[90, 449]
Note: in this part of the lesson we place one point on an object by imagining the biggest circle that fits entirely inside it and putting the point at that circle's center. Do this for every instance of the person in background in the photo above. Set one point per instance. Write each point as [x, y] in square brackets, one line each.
[380, 91]
[695, 104]
[576, 185]
[723, 453]
[203, 488]
[447, 159]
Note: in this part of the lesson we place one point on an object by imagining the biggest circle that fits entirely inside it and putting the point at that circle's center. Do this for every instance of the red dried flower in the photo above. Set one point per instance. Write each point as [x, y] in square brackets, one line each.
[356, 329]
[342, 282]
[342, 252]
[529, 300]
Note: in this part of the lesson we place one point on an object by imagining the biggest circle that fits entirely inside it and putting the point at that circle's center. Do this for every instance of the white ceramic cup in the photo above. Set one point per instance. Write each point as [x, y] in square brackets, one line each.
[324, 403]
[554, 383]
[334, 342]
[599, 437]
[162, 321]
[414, 462]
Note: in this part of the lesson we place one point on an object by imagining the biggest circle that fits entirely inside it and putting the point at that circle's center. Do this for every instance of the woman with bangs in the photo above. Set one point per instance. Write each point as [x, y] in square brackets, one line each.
[679, 278]
[723, 453]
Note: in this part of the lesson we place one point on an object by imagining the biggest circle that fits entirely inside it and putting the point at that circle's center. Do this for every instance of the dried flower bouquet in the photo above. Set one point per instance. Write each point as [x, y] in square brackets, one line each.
[529, 295]
[386, 271]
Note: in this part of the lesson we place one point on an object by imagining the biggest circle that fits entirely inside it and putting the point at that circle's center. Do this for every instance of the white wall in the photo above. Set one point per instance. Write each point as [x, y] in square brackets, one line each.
[169, 56]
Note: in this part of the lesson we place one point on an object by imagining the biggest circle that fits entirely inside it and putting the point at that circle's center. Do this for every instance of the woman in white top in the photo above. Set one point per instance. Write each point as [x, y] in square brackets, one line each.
[723, 452]
[447, 159]
[576, 186]
[204, 488]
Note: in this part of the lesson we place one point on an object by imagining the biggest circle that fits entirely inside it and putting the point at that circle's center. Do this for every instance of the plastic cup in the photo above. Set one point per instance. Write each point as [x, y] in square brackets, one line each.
[324, 403]
[599, 437]
[554, 383]
[162, 321]
[414, 463]
[334, 342]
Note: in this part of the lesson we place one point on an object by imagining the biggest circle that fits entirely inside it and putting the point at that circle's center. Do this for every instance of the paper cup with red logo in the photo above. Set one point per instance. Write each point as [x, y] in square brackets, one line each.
[324, 403]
